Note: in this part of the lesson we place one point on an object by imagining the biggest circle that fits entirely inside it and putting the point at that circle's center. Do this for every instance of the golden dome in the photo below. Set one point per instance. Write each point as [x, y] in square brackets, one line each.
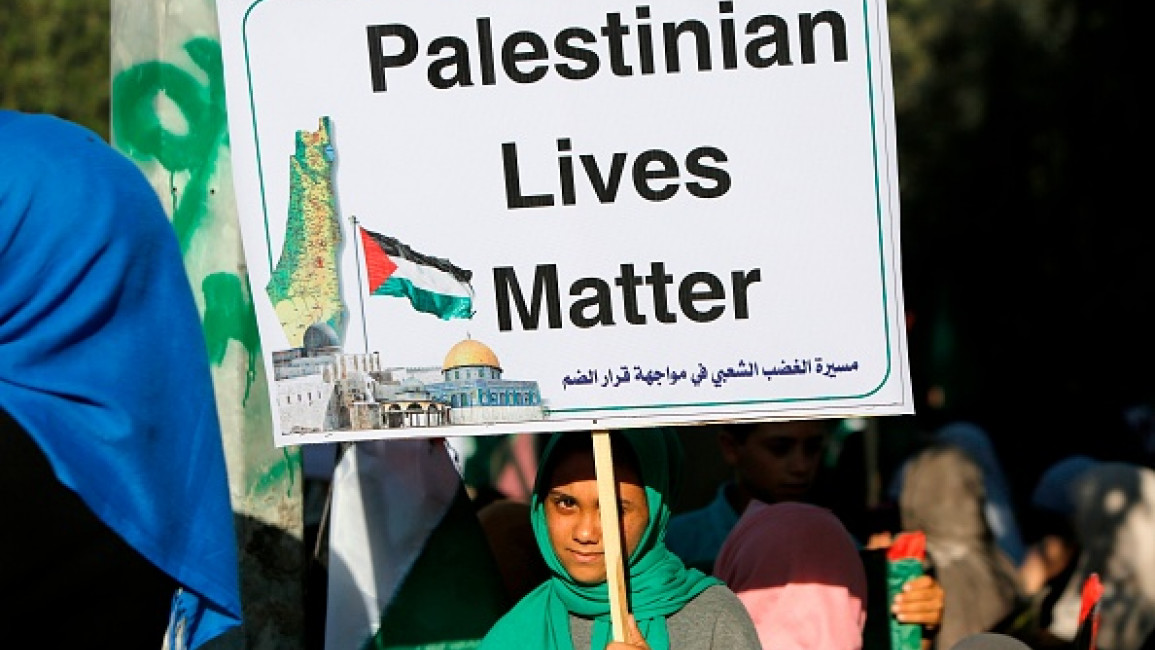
[470, 353]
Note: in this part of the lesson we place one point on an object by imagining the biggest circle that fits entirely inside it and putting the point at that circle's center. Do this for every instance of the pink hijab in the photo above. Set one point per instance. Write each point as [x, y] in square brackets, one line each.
[798, 572]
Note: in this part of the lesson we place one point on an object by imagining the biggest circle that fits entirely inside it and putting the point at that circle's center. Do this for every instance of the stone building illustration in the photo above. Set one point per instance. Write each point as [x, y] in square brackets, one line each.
[319, 388]
[473, 387]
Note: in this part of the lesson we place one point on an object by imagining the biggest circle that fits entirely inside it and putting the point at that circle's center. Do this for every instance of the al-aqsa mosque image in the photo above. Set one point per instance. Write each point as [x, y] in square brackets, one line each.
[321, 388]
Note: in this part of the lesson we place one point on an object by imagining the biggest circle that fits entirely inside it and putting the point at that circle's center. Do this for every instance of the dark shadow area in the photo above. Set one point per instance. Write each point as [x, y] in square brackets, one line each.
[63, 572]
[275, 584]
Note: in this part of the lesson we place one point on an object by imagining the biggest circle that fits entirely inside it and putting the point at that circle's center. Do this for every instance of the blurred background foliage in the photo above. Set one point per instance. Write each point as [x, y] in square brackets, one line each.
[55, 58]
[1026, 245]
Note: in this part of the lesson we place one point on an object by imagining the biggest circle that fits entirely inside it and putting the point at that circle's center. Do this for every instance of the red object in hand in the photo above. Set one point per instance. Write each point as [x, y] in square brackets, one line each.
[1092, 592]
[908, 545]
[1089, 613]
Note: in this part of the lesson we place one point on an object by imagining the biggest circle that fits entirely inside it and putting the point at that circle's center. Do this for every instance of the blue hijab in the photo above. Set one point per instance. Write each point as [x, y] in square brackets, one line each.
[103, 360]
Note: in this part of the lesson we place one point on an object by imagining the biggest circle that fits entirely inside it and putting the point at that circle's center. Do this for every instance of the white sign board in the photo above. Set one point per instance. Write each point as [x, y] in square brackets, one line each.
[499, 217]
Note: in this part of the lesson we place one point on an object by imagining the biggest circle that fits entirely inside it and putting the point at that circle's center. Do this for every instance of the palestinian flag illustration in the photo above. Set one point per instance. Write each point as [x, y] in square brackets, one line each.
[432, 284]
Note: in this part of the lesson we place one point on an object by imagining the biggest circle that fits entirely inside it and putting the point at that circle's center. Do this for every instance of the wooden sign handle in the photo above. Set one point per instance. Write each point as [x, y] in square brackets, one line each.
[611, 533]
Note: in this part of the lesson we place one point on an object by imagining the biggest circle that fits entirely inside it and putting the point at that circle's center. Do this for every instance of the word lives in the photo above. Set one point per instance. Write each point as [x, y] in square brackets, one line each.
[655, 173]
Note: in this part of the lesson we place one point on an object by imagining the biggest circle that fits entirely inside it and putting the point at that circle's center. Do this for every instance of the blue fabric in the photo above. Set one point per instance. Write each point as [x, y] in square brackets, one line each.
[102, 357]
[1055, 490]
[696, 536]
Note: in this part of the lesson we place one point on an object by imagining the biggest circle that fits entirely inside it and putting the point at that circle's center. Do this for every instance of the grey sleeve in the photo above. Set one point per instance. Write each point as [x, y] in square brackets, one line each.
[715, 620]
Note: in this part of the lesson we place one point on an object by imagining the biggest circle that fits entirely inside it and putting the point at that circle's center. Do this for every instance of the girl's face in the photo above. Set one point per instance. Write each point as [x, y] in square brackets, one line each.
[574, 522]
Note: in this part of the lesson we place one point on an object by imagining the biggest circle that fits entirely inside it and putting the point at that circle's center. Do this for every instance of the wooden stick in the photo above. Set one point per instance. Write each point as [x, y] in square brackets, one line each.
[611, 533]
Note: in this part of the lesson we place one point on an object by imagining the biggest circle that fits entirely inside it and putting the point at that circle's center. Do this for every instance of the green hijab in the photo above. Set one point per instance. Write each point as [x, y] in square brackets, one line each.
[659, 583]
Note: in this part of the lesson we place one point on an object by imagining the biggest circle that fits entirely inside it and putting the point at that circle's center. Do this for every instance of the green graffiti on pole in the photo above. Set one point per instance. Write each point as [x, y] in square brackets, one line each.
[140, 132]
[229, 316]
[280, 473]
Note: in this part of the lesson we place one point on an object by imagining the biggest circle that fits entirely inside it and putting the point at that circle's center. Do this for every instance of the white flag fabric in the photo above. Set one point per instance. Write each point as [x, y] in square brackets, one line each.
[405, 540]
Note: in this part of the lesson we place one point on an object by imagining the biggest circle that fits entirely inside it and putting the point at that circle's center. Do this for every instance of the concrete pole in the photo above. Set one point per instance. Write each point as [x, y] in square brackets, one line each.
[167, 81]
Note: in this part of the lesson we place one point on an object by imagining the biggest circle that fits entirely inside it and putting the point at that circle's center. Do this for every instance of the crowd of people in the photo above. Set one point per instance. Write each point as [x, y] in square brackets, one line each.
[995, 574]
[769, 562]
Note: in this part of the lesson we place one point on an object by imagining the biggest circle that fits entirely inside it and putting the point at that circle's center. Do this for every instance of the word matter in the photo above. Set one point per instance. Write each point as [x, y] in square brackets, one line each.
[577, 53]
[698, 296]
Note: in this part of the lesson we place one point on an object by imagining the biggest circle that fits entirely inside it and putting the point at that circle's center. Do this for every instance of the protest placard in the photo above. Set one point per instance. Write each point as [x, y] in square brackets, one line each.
[516, 217]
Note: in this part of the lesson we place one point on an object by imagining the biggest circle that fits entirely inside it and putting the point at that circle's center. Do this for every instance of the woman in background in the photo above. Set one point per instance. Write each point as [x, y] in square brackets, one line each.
[798, 572]
[943, 495]
[1114, 522]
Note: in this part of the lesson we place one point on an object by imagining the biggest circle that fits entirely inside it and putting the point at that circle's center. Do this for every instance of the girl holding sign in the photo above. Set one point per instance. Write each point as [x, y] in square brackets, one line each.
[670, 606]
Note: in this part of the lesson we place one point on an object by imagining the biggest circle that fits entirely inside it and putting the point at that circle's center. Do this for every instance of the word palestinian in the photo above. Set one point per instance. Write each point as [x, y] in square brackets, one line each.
[577, 53]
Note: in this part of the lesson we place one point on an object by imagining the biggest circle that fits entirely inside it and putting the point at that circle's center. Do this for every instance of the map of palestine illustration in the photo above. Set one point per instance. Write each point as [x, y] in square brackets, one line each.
[305, 287]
